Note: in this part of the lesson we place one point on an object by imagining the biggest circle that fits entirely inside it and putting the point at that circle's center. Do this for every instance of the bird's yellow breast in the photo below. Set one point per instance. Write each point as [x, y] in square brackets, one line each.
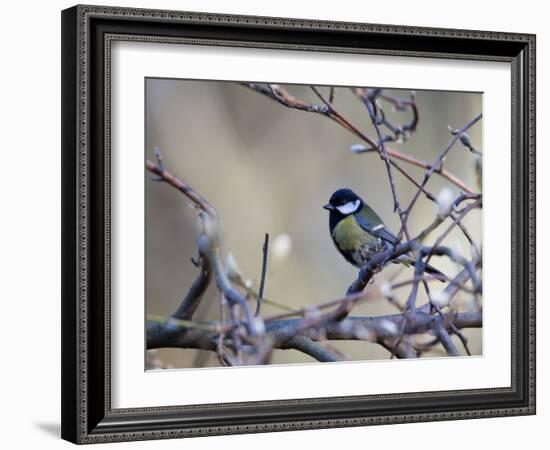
[350, 236]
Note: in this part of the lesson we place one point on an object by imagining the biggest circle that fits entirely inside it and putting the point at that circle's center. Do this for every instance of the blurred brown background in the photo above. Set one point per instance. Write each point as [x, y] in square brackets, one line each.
[269, 169]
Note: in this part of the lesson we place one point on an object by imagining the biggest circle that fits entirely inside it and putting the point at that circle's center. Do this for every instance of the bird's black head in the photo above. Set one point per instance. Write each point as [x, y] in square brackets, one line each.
[344, 202]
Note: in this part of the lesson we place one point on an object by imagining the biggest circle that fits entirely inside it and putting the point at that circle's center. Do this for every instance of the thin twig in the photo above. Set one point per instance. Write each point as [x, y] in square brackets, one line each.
[352, 298]
[371, 108]
[222, 357]
[437, 166]
[265, 249]
[445, 339]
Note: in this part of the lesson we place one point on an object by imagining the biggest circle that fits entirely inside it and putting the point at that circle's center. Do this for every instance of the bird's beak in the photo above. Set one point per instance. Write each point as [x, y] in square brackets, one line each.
[328, 207]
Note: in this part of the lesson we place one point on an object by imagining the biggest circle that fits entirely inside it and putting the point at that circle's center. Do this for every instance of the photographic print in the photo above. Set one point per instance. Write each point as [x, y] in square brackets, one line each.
[292, 224]
[272, 204]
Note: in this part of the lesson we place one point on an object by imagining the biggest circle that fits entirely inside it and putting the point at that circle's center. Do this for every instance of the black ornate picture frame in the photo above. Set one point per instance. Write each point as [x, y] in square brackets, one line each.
[87, 35]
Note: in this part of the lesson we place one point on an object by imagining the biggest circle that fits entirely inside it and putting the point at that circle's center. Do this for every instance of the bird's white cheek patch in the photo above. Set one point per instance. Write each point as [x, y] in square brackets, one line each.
[349, 207]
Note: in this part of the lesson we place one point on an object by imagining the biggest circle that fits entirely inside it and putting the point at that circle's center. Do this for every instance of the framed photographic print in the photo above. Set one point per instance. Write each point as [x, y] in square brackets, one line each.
[281, 224]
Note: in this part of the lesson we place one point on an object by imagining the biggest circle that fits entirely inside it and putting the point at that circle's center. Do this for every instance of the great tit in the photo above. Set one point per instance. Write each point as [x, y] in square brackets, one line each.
[359, 233]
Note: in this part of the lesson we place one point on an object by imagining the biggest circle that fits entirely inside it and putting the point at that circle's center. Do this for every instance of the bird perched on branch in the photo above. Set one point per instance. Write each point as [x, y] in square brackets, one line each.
[359, 233]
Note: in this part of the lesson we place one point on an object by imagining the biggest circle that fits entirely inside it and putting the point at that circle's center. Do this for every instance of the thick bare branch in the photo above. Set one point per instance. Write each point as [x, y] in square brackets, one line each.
[372, 329]
[310, 347]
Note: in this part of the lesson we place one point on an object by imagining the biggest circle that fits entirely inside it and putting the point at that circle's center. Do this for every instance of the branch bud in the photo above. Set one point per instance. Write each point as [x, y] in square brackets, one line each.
[358, 148]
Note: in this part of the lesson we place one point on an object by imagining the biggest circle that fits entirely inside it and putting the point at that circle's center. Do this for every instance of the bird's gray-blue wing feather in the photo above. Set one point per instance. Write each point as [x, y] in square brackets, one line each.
[378, 230]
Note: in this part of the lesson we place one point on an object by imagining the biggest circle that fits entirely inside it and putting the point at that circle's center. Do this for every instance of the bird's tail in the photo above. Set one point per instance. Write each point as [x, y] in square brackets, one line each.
[408, 261]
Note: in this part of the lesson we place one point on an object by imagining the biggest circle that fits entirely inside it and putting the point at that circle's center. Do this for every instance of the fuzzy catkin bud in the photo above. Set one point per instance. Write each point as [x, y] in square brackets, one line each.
[439, 298]
[281, 247]
[444, 201]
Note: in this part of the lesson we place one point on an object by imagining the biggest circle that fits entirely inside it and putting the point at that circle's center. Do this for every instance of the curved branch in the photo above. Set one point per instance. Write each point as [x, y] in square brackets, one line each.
[208, 242]
[191, 301]
[181, 186]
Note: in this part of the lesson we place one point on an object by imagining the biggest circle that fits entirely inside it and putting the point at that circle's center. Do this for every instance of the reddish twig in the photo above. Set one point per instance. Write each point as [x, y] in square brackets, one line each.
[282, 96]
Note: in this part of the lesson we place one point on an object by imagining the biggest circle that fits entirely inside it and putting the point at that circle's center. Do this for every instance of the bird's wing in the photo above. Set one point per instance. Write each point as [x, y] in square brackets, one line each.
[378, 230]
